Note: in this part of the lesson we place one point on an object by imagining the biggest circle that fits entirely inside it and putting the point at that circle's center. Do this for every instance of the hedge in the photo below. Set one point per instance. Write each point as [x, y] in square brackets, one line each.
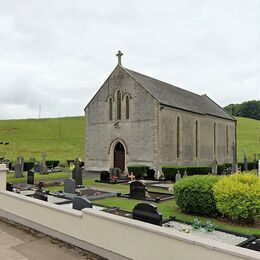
[238, 197]
[27, 166]
[52, 163]
[138, 170]
[171, 171]
[195, 195]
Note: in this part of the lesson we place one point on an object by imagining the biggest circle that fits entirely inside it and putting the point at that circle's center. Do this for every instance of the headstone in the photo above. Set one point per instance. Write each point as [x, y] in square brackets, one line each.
[234, 164]
[137, 190]
[77, 172]
[178, 176]
[30, 177]
[185, 174]
[105, 176]
[131, 177]
[19, 167]
[69, 187]
[80, 203]
[245, 163]
[116, 173]
[9, 186]
[40, 195]
[150, 174]
[147, 213]
[214, 167]
[43, 166]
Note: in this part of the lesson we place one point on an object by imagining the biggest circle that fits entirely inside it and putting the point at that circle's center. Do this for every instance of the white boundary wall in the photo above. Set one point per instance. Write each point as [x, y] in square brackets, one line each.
[113, 236]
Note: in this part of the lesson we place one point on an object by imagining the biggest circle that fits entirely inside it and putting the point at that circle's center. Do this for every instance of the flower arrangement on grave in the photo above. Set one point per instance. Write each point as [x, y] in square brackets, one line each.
[196, 224]
[209, 227]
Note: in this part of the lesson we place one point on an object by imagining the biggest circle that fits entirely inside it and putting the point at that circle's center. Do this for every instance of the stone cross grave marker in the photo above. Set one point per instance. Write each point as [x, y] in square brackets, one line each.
[80, 203]
[19, 167]
[214, 167]
[137, 190]
[147, 213]
[43, 166]
[77, 172]
[178, 176]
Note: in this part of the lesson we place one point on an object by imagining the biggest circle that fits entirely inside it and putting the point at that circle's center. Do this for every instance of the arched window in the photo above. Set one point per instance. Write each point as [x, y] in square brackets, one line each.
[118, 100]
[178, 137]
[110, 109]
[127, 107]
[214, 139]
[227, 140]
[196, 138]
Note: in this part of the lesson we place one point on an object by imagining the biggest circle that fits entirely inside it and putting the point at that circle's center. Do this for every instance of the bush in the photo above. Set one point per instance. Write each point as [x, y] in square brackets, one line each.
[238, 197]
[27, 166]
[138, 170]
[52, 163]
[171, 171]
[195, 195]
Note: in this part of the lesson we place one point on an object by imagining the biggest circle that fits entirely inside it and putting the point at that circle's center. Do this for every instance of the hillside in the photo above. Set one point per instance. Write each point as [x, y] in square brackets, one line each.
[248, 136]
[63, 138]
[59, 138]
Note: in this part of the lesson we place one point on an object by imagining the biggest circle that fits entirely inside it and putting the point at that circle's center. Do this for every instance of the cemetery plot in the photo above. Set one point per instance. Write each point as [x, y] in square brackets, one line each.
[95, 194]
[114, 177]
[139, 192]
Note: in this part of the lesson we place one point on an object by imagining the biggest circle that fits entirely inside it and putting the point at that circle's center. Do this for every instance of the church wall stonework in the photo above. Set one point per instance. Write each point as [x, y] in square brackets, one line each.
[137, 133]
[168, 138]
[149, 136]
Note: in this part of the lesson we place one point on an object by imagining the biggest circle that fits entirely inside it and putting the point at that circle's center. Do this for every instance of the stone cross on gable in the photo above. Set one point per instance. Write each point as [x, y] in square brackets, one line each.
[119, 54]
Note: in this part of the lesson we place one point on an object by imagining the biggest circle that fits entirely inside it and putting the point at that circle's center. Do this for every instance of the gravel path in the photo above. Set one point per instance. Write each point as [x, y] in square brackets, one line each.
[215, 235]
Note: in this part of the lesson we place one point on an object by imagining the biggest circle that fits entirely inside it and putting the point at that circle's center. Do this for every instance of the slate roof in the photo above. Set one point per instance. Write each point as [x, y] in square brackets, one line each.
[180, 98]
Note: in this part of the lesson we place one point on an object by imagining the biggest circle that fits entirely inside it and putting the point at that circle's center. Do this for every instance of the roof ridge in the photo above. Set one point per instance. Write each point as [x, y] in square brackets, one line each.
[165, 83]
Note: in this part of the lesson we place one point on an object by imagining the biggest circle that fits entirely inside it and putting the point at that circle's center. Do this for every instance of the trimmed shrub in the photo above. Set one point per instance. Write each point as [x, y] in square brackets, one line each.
[27, 166]
[238, 197]
[171, 171]
[52, 163]
[138, 170]
[195, 195]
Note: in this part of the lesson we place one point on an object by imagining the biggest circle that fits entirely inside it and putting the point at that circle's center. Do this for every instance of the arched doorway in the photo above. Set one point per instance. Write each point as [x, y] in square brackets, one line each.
[119, 157]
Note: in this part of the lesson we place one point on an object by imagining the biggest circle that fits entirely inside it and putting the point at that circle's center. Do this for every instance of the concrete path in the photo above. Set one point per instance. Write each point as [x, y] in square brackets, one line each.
[21, 243]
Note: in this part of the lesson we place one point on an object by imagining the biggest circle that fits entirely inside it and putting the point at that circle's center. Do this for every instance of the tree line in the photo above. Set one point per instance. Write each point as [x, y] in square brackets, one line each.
[250, 109]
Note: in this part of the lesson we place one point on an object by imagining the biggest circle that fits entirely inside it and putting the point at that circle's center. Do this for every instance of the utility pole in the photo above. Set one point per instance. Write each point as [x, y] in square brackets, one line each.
[40, 108]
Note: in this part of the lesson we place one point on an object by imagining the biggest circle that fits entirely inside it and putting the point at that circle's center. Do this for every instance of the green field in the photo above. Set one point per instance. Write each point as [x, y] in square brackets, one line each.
[60, 138]
[63, 138]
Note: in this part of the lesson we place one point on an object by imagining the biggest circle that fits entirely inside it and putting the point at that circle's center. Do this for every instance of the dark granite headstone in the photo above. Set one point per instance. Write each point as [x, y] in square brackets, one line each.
[137, 190]
[30, 177]
[147, 213]
[9, 186]
[104, 176]
[77, 172]
[150, 174]
[69, 186]
[40, 195]
[80, 203]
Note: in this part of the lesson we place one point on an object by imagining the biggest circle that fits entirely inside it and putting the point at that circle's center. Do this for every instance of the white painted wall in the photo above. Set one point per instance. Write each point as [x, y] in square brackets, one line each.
[126, 237]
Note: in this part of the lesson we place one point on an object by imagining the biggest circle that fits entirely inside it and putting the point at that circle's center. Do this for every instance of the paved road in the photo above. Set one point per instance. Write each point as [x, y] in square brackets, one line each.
[20, 243]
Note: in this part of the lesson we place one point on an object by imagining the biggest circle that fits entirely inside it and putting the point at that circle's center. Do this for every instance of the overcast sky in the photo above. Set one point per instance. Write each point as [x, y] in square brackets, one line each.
[58, 53]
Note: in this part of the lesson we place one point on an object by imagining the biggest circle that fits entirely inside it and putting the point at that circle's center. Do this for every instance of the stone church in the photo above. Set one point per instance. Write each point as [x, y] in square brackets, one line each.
[134, 119]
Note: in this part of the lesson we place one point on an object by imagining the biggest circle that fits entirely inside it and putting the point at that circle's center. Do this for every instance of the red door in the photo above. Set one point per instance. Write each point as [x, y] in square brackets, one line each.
[119, 157]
